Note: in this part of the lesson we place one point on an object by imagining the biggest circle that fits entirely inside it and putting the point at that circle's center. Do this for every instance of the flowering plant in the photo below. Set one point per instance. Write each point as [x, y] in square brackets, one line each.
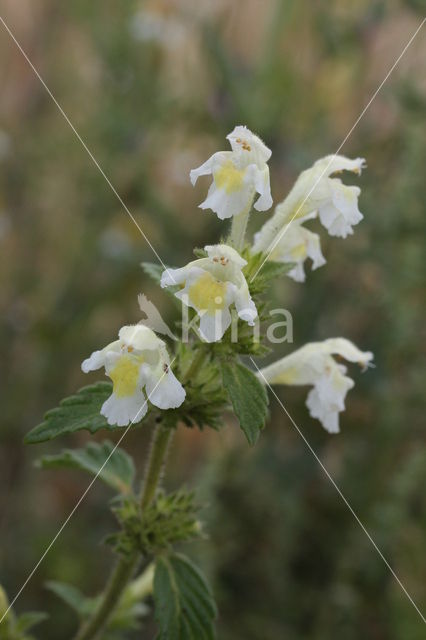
[194, 380]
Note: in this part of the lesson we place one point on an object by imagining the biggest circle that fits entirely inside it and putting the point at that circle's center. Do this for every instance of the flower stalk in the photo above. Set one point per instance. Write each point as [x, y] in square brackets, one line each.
[140, 369]
[126, 566]
[117, 582]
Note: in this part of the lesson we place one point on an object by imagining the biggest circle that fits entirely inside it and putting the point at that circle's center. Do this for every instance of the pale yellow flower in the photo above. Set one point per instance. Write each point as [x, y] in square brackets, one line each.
[237, 176]
[211, 286]
[314, 365]
[296, 245]
[137, 360]
[316, 193]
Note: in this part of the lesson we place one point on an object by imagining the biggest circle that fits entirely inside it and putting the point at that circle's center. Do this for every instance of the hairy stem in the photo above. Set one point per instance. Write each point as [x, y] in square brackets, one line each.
[157, 456]
[126, 566]
[117, 582]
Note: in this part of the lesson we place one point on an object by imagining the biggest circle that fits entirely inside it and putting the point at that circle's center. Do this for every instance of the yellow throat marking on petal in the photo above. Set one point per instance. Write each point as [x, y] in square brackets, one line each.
[299, 251]
[125, 376]
[207, 294]
[229, 178]
[289, 376]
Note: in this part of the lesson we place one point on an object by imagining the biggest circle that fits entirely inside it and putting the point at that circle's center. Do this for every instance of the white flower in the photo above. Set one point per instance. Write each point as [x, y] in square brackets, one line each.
[296, 245]
[314, 365]
[136, 360]
[316, 193]
[211, 285]
[336, 203]
[237, 176]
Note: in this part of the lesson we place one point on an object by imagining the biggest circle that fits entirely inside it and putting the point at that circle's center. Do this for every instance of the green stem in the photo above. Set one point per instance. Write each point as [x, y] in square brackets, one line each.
[155, 464]
[117, 582]
[126, 566]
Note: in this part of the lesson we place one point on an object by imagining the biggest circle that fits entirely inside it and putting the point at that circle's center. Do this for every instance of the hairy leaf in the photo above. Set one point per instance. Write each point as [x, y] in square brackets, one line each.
[184, 605]
[118, 472]
[248, 396]
[199, 252]
[260, 271]
[81, 411]
[153, 270]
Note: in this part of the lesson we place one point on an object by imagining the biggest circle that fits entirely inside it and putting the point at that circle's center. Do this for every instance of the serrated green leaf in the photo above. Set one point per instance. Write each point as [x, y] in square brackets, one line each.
[260, 271]
[199, 252]
[271, 270]
[261, 277]
[248, 396]
[153, 270]
[184, 605]
[118, 472]
[81, 411]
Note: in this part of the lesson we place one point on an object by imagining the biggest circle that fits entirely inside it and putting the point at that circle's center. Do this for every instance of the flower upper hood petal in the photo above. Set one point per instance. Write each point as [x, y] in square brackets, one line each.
[140, 337]
[243, 140]
[336, 164]
[237, 176]
[220, 251]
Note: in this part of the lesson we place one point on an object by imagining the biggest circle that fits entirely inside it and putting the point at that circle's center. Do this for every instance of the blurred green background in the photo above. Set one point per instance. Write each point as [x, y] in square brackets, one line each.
[153, 88]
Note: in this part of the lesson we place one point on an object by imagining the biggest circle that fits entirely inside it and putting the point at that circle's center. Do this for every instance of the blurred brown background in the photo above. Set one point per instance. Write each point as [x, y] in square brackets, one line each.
[153, 88]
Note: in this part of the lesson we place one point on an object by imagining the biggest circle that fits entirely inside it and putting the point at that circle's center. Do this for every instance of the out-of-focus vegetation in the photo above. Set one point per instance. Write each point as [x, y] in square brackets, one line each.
[153, 88]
